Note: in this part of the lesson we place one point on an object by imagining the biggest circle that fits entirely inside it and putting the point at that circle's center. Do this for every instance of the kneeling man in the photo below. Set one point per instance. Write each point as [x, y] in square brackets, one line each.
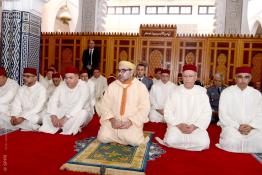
[66, 107]
[28, 103]
[8, 90]
[240, 116]
[124, 109]
[187, 113]
[158, 96]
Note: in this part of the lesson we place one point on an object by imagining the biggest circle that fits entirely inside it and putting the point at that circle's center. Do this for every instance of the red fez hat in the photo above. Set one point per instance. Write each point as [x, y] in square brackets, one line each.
[50, 70]
[56, 75]
[165, 71]
[189, 67]
[110, 79]
[83, 71]
[2, 71]
[30, 70]
[157, 69]
[243, 69]
[71, 69]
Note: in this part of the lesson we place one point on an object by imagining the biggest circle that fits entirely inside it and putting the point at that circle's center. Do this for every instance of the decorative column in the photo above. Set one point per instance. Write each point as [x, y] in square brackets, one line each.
[88, 15]
[21, 32]
[233, 15]
[92, 14]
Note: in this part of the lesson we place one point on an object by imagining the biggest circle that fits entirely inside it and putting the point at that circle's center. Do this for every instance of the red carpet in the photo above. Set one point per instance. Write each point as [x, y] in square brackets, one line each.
[41, 154]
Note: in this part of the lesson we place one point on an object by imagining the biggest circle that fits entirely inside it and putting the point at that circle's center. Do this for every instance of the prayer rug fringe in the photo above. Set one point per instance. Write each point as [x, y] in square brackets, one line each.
[98, 170]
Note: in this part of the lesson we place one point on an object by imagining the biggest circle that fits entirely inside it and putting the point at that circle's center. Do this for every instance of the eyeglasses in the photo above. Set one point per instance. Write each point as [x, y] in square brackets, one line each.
[123, 70]
[28, 76]
[243, 77]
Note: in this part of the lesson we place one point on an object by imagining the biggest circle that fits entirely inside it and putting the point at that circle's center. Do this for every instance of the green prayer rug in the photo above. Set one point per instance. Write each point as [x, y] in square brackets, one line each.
[110, 158]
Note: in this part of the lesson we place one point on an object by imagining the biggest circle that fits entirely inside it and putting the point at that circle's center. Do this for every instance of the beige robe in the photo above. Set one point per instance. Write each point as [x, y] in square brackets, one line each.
[28, 103]
[240, 107]
[136, 110]
[189, 106]
[70, 103]
[7, 94]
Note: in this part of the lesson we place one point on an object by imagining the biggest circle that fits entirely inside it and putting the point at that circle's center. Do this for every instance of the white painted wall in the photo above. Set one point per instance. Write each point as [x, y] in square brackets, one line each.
[254, 15]
[185, 23]
[32, 6]
[50, 10]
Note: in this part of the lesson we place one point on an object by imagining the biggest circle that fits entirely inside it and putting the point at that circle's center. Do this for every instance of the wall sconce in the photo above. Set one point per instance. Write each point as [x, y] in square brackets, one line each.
[65, 15]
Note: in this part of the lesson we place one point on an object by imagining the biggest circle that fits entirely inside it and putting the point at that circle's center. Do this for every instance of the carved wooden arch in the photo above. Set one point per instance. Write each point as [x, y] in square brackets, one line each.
[123, 55]
[66, 59]
[257, 67]
[155, 60]
[221, 65]
[190, 58]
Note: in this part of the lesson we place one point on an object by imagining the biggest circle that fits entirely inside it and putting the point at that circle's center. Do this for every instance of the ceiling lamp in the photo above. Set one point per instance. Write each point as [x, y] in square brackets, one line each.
[65, 15]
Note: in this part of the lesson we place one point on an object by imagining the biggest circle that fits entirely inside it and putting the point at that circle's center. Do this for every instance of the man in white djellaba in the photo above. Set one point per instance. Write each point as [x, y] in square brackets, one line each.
[187, 114]
[240, 115]
[158, 96]
[65, 109]
[8, 90]
[28, 103]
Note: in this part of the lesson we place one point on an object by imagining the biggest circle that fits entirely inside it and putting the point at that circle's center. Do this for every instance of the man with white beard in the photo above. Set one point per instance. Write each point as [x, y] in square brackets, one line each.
[187, 114]
[240, 116]
[8, 90]
[65, 109]
[159, 94]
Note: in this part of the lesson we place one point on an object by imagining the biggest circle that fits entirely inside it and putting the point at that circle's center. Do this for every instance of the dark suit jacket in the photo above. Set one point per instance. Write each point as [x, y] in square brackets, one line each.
[86, 59]
[214, 95]
[147, 82]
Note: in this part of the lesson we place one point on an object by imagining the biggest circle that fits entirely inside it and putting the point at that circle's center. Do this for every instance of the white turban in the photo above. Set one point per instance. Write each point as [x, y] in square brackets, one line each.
[127, 64]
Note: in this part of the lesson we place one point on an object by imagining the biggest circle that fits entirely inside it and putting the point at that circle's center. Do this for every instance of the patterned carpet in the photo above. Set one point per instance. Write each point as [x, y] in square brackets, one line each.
[258, 156]
[99, 158]
[6, 131]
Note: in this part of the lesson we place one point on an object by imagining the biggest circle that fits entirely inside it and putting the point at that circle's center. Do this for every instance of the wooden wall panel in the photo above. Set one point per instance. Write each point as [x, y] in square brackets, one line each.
[210, 54]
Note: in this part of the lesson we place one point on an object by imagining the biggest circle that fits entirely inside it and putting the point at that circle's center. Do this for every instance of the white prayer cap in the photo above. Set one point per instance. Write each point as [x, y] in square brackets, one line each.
[127, 64]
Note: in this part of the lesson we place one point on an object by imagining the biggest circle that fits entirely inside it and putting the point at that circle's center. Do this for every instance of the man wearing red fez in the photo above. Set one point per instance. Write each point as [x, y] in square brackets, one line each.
[66, 107]
[83, 75]
[240, 115]
[157, 75]
[28, 103]
[91, 88]
[125, 108]
[47, 80]
[56, 80]
[159, 93]
[187, 113]
[110, 79]
[8, 90]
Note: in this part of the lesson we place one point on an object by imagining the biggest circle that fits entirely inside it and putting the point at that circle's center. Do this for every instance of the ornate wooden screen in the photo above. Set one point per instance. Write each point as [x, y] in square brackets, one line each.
[157, 46]
[124, 48]
[222, 54]
[251, 52]
[190, 51]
